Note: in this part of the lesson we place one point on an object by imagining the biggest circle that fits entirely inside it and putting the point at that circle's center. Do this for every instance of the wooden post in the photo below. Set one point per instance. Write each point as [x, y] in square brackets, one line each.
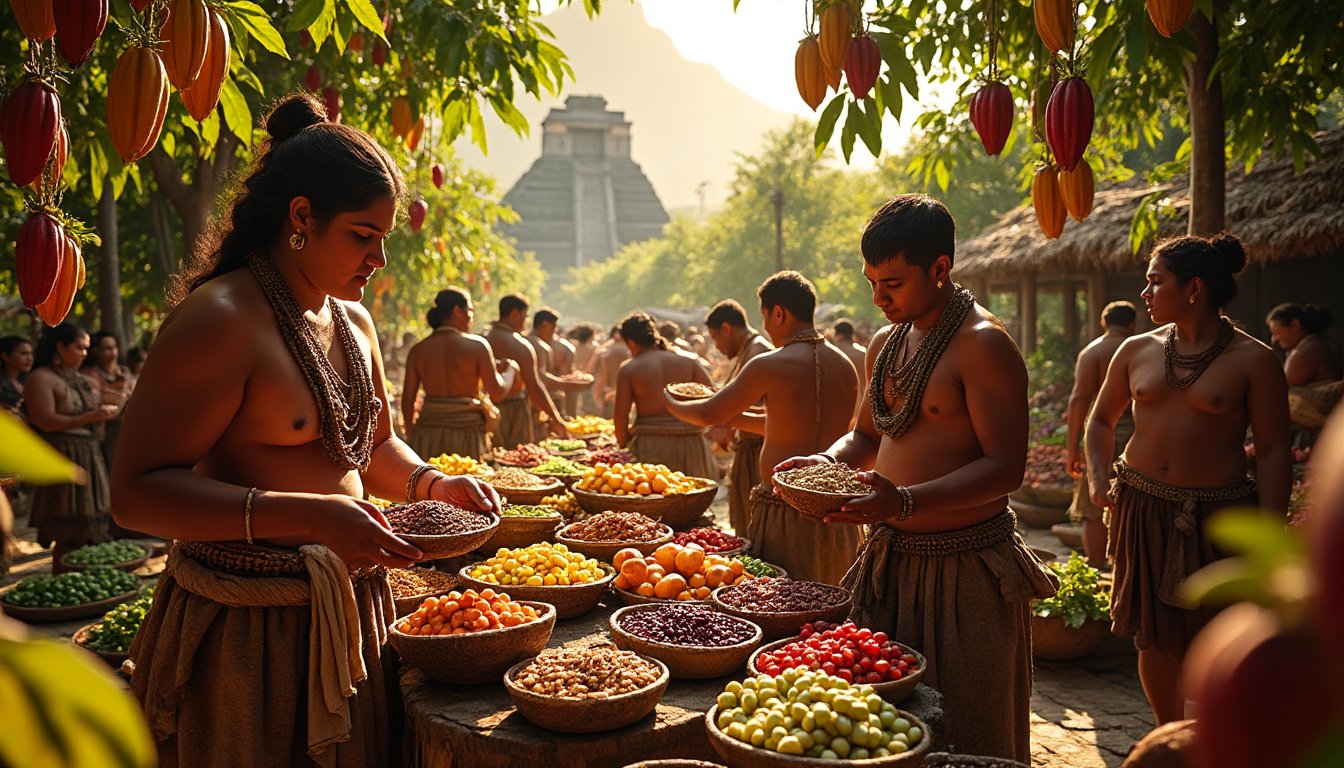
[1026, 310]
[1070, 293]
[1096, 297]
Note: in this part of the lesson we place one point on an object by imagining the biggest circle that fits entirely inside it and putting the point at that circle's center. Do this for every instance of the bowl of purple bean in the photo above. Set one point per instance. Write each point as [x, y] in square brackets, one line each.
[694, 641]
[780, 607]
[441, 530]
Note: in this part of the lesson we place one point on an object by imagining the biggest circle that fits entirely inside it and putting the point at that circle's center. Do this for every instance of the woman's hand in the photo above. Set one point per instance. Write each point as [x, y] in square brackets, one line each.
[466, 492]
[881, 504]
[356, 531]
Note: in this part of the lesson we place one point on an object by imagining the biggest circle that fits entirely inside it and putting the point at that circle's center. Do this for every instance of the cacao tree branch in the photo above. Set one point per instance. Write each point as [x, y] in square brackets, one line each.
[169, 178]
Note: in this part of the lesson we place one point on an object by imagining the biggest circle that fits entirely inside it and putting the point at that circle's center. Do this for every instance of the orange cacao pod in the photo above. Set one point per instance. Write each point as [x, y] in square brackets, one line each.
[35, 18]
[1049, 205]
[37, 257]
[57, 306]
[185, 36]
[1054, 23]
[413, 136]
[835, 35]
[1077, 187]
[137, 100]
[401, 117]
[809, 73]
[30, 122]
[79, 24]
[201, 97]
[832, 77]
[1169, 16]
[72, 246]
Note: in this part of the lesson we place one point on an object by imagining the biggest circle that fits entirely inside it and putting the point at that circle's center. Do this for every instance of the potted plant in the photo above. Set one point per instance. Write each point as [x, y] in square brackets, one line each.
[1076, 621]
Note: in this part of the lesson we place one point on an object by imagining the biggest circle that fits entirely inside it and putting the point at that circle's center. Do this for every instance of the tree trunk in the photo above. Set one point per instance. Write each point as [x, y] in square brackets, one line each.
[194, 201]
[1208, 135]
[109, 266]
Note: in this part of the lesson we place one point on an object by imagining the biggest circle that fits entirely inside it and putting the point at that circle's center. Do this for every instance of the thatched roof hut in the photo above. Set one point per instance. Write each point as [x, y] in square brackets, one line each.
[1281, 216]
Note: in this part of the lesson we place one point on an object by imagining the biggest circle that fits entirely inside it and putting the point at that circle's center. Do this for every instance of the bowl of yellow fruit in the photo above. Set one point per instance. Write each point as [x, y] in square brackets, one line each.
[652, 490]
[546, 573]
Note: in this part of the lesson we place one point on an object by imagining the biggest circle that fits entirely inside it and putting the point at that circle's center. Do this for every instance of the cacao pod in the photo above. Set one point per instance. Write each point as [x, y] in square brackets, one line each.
[413, 136]
[79, 24]
[185, 37]
[387, 24]
[405, 69]
[1049, 205]
[1169, 16]
[137, 100]
[140, 5]
[992, 116]
[1068, 121]
[832, 77]
[313, 78]
[305, 39]
[201, 97]
[35, 18]
[436, 175]
[401, 117]
[30, 124]
[57, 306]
[72, 246]
[379, 53]
[331, 99]
[37, 257]
[1055, 23]
[1040, 96]
[862, 64]
[1077, 187]
[809, 73]
[835, 35]
[356, 42]
[416, 214]
[60, 153]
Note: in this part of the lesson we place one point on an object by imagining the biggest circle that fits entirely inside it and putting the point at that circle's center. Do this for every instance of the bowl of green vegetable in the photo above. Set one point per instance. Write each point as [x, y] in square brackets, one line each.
[72, 595]
[1076, 621]
[110, 639]
[560, 468]
[523, 524]
[122, 555]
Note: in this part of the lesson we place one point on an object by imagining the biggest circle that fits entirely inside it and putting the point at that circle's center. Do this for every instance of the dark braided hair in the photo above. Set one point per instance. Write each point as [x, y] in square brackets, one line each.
[338, 168]
[640, 328]
[1216, 260]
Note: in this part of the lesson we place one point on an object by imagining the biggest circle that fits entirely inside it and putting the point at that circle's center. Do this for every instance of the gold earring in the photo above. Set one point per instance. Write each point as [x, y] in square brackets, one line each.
[297, 240]
[940, 283]
[1192, 298]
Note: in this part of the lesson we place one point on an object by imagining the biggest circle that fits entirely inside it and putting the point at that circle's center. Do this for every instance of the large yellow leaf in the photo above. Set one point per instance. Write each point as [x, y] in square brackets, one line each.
[24, 453]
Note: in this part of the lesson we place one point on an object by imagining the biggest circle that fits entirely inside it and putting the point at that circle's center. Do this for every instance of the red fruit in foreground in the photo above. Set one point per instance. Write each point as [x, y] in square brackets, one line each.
[1325, 535]
[79, 24]
[331, 99]
[313, 78]
[38, 256]
[436, 174]
[1068, 121]
[137, 100]
[30, 122]
[417, 214]
[862, 63]
[992, 116]
[68, 281]
[35, 19]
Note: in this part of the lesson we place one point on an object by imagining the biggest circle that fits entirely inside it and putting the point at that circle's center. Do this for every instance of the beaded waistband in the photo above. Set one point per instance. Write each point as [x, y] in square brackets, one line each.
[1140, 482]
[242, 559]
[979, 536]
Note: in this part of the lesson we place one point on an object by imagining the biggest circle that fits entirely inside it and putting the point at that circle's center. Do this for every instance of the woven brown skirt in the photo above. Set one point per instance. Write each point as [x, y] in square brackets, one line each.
[743, 476]
[1157, 539]
[1082, 507]
[461, 433]
[681, 447]
[515, 424]
[74, 514]
[807, 549]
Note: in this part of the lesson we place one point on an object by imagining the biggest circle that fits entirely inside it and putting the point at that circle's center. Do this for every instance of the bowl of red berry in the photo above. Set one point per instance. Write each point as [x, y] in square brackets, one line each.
[714, 541]
[855, 654]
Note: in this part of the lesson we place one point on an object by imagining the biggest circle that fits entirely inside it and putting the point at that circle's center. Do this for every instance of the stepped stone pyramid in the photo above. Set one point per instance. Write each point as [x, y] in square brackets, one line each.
[584, 197]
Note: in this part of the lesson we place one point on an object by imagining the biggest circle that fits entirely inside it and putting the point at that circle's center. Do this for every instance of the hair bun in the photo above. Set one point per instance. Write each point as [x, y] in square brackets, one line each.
[1230, 250]
[294, 113]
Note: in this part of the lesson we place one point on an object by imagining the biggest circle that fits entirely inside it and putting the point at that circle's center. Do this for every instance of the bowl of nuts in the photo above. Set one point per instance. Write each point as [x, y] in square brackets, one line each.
[688, 390]
[586, 690]
[410, 586]
[780, 607]
[694, 641]
[440, 529]
[470, 637]
[544, 572]
[892, 669]
[819, 489]
[522, 487]
[603, 535]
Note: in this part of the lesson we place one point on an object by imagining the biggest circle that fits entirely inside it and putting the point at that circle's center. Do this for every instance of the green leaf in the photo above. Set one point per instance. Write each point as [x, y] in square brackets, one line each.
[870, 127]
[941, 174]
[237, 115]
[849, 131]
[98, 166]
[258, 24]
[306, 13]
[367, 16]
[24, 453]
[826, 125]
[324, 25]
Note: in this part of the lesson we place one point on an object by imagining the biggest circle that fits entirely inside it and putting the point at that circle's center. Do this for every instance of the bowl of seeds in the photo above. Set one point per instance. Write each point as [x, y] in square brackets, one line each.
[586, 690]
[688, 390]
[780, 607]
[440, 529]
[603, 535]
[819, 489]
[524, 524]
[520, 486]
[410, 586]
[696, 642]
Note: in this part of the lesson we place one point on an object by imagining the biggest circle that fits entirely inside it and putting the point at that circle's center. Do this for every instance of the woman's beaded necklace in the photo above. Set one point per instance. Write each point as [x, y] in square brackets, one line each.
[1197, 363]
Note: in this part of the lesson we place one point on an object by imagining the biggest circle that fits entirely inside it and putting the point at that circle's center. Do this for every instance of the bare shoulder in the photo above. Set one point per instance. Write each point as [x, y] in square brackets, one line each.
[879, 339]
[983, 331]
[1254, 351]
[229, 308]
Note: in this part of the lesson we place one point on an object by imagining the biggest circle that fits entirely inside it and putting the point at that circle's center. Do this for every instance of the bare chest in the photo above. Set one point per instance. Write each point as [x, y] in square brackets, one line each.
[1218, 391]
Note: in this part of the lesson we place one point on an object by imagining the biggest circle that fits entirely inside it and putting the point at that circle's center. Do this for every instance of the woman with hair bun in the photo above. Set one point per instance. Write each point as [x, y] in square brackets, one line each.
[1299, 330]
[1196, 383]
[264, 644]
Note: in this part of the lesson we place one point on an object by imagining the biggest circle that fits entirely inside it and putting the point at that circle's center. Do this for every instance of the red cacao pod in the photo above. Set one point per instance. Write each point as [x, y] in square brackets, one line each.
[305, 39]
[313, 78]
[30, 125]
[834, 36]
[137, 100]
[417, 213]
[68, 280]
[35, 18]
[202, 96]
[356, 42]
[436, 175]
[72, 246]
[1055, 23]
[331, 99]
[809, 73]
[185, 37]
[1169, 16]
[1068, 121]
[79, 24]
[1077, 188]
[60, 153]
[379, 55]
[862, 64]
[992, 116]
[401, 117]
[417, 130]
[37, 257]
[1049, 205]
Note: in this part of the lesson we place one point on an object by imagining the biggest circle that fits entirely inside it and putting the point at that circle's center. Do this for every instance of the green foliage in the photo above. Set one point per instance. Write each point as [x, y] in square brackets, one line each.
[1080, 597]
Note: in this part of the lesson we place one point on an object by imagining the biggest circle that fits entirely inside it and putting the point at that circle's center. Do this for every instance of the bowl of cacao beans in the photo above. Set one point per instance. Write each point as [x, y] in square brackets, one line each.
[694, 641]
[442, 530]
[780, 607]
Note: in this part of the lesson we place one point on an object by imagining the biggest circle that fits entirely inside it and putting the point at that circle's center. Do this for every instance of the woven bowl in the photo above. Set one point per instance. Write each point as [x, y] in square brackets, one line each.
[112, 658]
[631, 597]
[687, 662]
[515, 532]
[679, 510]
[777, 626]
[813, 504]
[475, 657]
[894, 691]
[735, 551]
[442, 547]
[671, 395]
[569, 601]
[567, 481]
[125, 565]
[585, 715]
[945, 760]
[739, 754]
[606, 550]
[66, 612]
[674, 763]
[780, 573]
[409, 603]
[530, 495]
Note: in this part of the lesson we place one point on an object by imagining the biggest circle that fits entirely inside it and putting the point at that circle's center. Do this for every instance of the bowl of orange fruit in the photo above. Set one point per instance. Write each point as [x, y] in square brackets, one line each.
[650, 489]
[470, 637]
[674, 572]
